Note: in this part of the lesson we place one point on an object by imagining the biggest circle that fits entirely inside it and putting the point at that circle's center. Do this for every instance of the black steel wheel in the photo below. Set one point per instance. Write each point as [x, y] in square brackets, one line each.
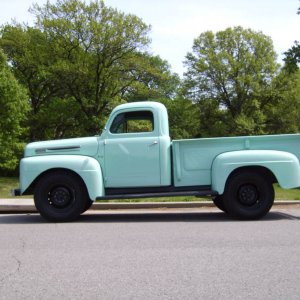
[248, 195]
[60, 196]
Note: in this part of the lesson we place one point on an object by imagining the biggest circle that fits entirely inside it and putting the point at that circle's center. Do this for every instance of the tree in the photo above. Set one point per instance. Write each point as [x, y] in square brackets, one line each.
[29, 53]
[95, 48]
[183, 118]
[282, 111]
[292, 56]
[14, 105]
[81, 60]
[153, 80]
[229, 75]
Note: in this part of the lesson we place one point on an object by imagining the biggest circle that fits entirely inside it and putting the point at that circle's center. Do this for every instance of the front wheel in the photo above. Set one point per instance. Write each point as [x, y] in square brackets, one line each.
[219, 203]
[60, 196]
[248, 195]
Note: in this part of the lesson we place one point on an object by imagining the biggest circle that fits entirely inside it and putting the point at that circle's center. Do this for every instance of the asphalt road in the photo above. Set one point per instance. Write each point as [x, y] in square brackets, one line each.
[168, 254]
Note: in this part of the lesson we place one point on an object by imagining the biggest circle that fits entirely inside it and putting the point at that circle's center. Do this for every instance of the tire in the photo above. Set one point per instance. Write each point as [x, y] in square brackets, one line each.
[89, 203]
[60, 196]
[219, 203]
[248, 195]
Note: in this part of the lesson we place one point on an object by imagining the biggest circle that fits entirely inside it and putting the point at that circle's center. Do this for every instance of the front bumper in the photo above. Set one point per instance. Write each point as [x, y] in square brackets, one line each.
[16, 192]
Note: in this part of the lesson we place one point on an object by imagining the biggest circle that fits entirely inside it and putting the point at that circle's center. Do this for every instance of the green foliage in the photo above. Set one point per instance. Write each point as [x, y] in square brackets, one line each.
[292, 56]
[229, 74]
[80, 61]
[95, 48]
[152, 80]
[14, 106]
[183, 118]
[30, 56]
[60, 118]
[282, 109]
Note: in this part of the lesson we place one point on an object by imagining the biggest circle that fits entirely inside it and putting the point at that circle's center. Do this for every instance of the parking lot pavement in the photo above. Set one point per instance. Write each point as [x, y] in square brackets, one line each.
[186, 253]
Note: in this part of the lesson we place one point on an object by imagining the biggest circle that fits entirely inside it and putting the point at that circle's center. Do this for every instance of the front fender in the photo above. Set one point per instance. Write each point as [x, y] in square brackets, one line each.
[86, 167]
[284, 166]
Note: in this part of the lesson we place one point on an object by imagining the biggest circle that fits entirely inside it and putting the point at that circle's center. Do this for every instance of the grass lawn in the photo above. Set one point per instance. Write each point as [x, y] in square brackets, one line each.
[6, 185]
[9, 183]
[281, 194]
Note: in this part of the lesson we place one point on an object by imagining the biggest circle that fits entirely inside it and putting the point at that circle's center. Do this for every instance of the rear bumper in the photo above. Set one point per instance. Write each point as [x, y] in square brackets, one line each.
[16, 192]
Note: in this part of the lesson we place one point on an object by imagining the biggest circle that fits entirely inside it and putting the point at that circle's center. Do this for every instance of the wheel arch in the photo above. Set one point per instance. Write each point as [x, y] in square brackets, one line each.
[88, 169]
[264, 171]
[278, 166]
[31, 187]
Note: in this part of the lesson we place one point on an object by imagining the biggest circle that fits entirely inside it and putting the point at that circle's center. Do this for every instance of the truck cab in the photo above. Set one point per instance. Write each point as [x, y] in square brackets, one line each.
[137, 146]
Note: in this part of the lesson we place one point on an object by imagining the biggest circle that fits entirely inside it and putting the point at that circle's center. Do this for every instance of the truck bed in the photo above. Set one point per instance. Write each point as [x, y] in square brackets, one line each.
[192, 159]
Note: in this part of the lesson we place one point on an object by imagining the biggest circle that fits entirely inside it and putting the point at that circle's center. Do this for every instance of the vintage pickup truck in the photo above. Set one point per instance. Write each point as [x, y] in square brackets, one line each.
[134, 157]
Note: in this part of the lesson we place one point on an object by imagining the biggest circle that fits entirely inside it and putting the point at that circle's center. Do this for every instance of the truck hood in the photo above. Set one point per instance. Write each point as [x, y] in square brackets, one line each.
[78, 146]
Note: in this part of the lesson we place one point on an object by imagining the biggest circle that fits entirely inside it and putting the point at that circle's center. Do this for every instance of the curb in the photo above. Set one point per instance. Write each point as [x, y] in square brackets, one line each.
[28, 206]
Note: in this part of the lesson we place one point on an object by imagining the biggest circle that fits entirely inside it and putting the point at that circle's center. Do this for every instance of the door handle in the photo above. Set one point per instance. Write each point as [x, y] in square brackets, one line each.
[154, 143]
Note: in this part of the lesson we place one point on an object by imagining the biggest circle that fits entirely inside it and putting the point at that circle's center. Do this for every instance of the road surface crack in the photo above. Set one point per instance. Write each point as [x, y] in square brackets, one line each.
[18, 262]
[12, 273]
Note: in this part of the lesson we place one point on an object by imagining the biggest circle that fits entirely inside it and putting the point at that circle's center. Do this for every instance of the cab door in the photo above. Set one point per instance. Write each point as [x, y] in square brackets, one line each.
[132, 151]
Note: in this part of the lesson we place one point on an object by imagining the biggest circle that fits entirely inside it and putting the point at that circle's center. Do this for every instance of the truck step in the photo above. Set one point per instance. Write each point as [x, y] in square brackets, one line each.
[161, 194]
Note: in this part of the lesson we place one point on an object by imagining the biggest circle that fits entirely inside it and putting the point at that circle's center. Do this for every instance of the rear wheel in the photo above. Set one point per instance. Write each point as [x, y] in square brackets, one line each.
[89, 203]
[248, 195]
[60, 196]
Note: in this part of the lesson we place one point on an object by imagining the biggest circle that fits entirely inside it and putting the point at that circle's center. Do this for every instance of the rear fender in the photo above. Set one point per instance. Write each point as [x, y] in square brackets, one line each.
[284, 166]
[87, 168]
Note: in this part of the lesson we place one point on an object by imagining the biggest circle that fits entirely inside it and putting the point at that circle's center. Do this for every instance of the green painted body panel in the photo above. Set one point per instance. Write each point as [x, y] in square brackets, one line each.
[79, 146]
[197, 161]
[150, 159]
[132, 162]
[159, 110]
[138, 159]
[87, 168]
[284, 165]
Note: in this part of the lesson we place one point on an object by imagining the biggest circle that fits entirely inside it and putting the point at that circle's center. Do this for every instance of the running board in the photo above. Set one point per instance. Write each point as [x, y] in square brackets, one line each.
[162, 194]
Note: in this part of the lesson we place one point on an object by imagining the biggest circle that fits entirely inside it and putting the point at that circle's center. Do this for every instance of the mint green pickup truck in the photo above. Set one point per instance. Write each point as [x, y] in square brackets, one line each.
[134, 157]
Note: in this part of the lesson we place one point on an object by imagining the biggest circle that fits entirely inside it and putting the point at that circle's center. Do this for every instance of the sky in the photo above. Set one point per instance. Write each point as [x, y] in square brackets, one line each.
[176, 23]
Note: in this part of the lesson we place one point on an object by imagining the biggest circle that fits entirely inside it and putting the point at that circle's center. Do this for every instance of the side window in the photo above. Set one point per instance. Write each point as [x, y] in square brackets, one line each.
[133, 122]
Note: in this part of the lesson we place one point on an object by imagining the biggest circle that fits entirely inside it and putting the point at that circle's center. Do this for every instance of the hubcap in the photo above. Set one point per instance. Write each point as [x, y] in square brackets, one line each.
[60, 197]
[248, 194]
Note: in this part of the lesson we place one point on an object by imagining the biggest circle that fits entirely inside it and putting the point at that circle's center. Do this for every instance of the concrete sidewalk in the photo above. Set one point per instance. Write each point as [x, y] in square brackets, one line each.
[21, 205]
